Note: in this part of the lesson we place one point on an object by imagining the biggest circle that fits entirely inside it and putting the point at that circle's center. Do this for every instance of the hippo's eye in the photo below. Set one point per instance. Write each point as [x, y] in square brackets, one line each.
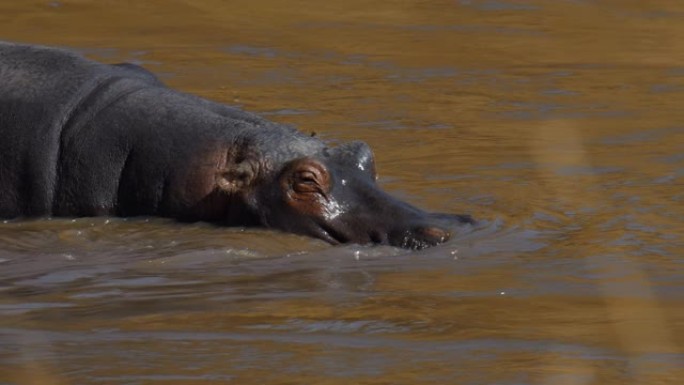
[306, 179]
[306, 182]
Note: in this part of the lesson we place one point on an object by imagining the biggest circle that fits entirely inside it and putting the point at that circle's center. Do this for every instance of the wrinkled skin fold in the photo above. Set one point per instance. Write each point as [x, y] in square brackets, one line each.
[81, 138]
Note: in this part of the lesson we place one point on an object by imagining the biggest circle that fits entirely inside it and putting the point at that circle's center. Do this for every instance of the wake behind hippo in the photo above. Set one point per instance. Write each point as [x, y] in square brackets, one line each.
[81, 138]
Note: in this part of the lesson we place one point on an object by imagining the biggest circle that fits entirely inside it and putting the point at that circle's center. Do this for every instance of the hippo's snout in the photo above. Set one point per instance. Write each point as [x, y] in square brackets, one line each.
[420, 237]
[435, 233]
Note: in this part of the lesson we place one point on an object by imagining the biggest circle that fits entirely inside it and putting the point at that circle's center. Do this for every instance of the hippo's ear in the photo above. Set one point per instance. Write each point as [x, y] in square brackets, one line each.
[236, 177]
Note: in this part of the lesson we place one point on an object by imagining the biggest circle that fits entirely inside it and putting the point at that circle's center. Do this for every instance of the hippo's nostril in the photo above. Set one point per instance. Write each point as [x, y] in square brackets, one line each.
[435, 234]
[419, 237]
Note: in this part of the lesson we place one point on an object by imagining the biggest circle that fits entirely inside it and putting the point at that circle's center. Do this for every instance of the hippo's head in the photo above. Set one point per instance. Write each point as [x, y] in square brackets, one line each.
[333, 195]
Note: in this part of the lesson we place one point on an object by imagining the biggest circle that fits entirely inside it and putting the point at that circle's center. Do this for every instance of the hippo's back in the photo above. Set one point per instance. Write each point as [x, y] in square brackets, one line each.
[41, 91]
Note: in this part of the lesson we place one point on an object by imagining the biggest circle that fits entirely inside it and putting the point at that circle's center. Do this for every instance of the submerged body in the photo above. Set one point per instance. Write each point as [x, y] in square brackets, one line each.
[81, 138]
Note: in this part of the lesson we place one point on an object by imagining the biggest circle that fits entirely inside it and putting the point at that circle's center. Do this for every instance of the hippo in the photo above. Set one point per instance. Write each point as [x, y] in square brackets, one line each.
[80, 138]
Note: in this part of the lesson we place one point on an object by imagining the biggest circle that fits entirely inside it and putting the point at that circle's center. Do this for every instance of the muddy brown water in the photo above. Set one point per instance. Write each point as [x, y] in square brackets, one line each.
[560, 124]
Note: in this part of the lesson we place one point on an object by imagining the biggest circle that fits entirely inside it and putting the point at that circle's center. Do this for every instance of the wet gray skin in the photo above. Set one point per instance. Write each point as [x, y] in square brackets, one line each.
[334, 196]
